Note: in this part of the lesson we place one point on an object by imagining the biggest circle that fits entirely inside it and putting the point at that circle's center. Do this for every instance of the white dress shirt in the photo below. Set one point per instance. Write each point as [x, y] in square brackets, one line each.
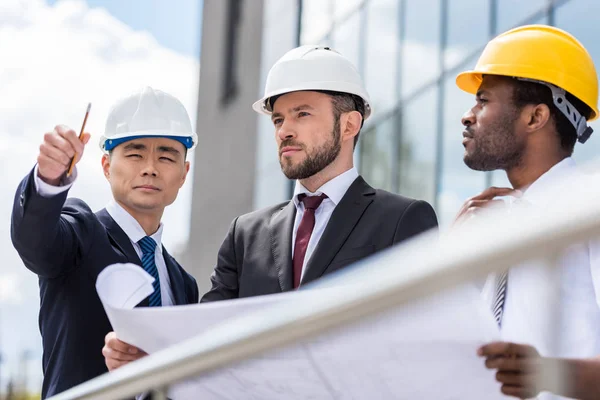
[335, 189]
[542, 304]
[128, 224]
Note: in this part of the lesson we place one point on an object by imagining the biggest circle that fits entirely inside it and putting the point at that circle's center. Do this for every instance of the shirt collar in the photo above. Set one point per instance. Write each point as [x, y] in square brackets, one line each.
[537, 192]
[335, 189]
[130, 226]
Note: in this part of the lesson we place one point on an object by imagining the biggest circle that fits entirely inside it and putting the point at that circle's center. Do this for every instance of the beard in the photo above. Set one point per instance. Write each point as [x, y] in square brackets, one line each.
[497, 147]
[316, 160]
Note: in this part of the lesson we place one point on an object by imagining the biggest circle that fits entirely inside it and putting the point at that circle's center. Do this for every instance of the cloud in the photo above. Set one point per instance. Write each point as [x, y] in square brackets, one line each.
[54, 61]
[9, 293]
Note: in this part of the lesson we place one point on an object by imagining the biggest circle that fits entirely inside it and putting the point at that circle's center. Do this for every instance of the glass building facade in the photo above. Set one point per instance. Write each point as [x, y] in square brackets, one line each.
[409, 53]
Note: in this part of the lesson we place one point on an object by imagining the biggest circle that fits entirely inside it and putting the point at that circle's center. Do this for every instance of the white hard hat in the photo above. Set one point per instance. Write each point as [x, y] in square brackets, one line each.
[148, 113]
[312, 67]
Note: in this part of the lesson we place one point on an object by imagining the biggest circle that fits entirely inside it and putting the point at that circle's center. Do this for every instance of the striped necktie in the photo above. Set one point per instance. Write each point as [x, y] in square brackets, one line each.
[502, 276]
[500, 296]
[148, 246]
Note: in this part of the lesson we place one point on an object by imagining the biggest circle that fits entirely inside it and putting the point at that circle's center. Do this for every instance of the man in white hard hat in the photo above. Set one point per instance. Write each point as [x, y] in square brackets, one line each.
[67, 245]
[317, 103]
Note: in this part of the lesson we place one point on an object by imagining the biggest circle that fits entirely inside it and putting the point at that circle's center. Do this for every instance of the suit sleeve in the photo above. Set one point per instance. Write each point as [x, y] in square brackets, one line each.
[49, 235]
[418, 217]
[195, 295]
[225, 279]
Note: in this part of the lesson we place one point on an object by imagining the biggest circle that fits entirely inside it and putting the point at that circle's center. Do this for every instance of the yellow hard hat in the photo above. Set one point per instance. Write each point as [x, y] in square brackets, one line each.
[541, 53]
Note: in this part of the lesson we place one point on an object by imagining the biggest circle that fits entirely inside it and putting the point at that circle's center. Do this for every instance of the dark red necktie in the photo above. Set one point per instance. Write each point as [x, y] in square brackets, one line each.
[304, 232]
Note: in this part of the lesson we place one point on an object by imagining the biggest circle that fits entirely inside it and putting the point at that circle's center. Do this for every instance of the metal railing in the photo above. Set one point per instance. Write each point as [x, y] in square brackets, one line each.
[430, 264]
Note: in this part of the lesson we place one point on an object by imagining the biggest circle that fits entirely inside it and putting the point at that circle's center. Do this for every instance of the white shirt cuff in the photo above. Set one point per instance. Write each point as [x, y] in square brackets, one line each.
[46, 190]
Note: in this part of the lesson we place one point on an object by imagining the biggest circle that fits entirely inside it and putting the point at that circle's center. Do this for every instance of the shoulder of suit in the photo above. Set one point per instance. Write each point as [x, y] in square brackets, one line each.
[394, 201]
[394, 198]
[262, 214]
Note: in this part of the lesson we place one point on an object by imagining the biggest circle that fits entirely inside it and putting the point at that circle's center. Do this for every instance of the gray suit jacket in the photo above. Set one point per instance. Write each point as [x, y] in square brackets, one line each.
[256, 256]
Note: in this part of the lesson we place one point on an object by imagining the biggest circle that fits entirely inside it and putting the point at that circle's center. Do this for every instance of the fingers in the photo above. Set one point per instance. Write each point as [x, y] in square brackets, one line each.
[70, 136]
[57, 150]
[493, 191]
[86, 138]
[520, 392]
[54, 153]
[117, 353]
[113, 343]
[515, 379]
[472, 207]
[519, 367]
[507, 349]
[513, 364]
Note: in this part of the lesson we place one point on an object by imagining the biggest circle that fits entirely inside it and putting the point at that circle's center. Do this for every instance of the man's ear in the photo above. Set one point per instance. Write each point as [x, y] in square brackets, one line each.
[536, 116]
[350, 124]
[106, 165]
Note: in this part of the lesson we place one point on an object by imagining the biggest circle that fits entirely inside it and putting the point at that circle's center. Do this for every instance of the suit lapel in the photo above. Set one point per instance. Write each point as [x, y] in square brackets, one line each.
[177, 284]
[118, 236]
[343, 220]
[280, 230]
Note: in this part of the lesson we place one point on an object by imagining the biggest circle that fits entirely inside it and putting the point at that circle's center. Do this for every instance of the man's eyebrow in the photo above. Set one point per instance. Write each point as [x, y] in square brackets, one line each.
[134, 146]
[302, 107]
[169, 149]
[292, 110]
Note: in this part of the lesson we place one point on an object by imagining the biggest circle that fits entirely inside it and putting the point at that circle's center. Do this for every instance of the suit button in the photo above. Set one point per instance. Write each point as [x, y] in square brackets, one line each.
[22, 199]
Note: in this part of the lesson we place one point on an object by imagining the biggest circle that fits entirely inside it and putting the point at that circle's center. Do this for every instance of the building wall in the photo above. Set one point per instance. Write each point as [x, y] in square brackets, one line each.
[225, 159]
[280, 34]
[408, 52]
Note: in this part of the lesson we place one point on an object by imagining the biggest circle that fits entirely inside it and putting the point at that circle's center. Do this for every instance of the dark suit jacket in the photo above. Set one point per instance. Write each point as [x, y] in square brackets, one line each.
[256, 256]
[67, 246]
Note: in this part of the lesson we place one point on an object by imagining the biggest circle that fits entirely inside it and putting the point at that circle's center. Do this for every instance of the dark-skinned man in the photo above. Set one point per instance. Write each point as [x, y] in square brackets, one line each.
[536, 87]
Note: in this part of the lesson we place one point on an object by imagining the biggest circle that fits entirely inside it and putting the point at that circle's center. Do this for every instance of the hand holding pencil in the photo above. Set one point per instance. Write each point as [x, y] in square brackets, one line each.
[60, 151]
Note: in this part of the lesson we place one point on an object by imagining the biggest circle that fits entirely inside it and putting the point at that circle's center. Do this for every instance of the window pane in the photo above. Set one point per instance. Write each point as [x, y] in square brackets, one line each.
[317, 18]
[417, 153]
[341, 8]
[457, 181]
[420, 53]
[580, 18]
[376, 154]
[382, 53]
[346, 36]
[513, 12]
[464, 38]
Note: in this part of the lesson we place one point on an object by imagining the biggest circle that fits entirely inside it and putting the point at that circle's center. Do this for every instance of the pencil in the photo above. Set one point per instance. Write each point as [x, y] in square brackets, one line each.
[70, 171]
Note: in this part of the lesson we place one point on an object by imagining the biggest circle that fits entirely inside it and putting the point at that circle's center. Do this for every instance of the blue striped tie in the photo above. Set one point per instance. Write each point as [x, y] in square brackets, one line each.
[148, 246]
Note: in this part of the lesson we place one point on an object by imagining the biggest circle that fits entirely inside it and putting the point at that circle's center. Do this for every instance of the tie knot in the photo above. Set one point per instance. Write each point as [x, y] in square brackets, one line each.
[311, 202]
[147, 244]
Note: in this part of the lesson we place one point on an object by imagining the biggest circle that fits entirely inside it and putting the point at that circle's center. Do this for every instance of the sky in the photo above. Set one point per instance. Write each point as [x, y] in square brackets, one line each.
[56, 57]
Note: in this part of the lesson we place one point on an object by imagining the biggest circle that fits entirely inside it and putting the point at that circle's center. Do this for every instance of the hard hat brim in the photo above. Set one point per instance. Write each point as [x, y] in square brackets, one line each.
[120, 138]
[469, 81]
[260, 106]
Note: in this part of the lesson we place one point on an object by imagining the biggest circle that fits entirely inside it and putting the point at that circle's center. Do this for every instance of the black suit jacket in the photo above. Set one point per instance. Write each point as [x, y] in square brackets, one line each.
[67, 245]
[256, 256]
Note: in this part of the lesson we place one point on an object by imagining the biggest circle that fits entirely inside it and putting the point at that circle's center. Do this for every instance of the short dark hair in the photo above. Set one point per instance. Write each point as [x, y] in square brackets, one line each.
[526, 93]
[346, 102]
[342, 103]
